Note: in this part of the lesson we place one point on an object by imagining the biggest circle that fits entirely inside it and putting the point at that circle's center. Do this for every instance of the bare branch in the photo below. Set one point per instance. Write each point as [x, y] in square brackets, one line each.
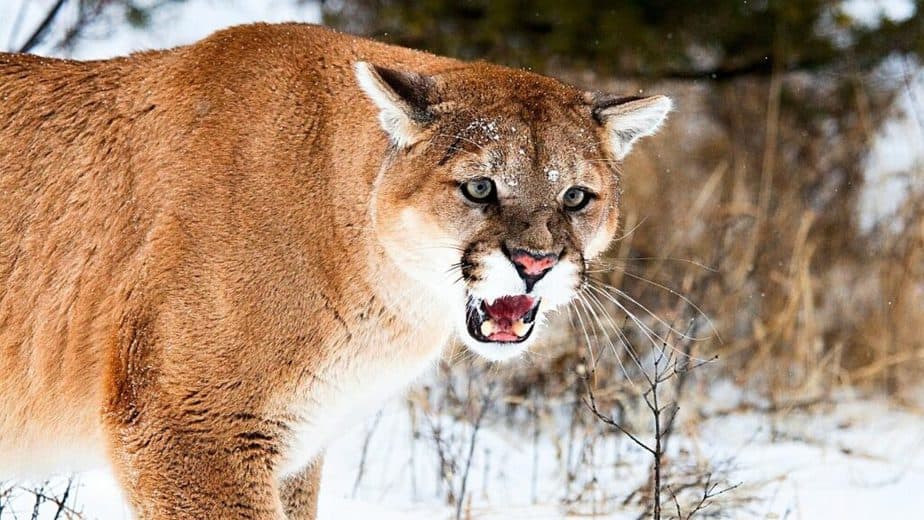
[486, 399]
[592, 405]
[39, 33]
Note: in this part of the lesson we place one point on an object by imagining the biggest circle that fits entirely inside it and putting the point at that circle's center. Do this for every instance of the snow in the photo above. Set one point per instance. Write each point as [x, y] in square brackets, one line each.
[859, 459]
[851, 458]
[483, 129]
[872, 12]
[895, 162]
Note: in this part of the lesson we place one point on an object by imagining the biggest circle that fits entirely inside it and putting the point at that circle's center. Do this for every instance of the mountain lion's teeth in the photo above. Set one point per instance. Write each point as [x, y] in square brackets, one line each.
[520, 328]
[487, 328]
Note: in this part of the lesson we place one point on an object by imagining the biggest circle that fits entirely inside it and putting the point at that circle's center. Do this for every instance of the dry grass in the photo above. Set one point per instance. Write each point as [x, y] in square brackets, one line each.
[748, 207]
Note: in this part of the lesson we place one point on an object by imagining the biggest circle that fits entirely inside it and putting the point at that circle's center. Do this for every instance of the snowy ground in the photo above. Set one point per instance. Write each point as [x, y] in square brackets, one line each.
[853, 459]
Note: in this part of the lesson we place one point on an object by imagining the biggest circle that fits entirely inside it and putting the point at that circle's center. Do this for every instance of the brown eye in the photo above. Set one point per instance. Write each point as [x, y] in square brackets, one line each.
[576, 198]
[480, 190]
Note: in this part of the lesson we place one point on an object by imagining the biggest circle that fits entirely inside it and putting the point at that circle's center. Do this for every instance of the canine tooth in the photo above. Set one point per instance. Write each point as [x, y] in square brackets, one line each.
[487, 328]
[520, 328]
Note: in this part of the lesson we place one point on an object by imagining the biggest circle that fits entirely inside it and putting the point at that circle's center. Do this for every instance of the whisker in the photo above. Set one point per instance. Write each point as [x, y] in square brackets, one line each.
[626, 295]
[453, 247]
[589, 316]
[631, 231]
[602, 263]
[458, 266]
[650, 334]
[591, 299]
[663, 341]
[702, 313]
[593, 362]
[619, 332]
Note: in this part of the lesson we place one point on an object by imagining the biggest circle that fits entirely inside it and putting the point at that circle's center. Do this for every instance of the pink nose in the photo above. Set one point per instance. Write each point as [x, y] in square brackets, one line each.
[531, 264]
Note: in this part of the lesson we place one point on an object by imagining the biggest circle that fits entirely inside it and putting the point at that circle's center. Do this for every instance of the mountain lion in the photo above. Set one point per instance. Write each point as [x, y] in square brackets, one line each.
[214, 259]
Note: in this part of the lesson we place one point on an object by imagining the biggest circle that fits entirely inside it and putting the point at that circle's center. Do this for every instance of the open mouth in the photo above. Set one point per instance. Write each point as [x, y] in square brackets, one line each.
[508, 319]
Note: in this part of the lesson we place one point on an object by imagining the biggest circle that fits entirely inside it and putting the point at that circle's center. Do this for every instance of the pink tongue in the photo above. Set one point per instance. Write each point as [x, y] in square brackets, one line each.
[508, 309]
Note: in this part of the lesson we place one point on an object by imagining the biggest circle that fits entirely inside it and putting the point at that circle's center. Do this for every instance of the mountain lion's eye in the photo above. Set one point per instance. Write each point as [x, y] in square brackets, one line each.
[576, 198]
[480, 190]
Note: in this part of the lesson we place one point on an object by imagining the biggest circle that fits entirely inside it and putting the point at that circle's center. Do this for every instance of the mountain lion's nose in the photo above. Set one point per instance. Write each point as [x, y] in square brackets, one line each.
[532, 266]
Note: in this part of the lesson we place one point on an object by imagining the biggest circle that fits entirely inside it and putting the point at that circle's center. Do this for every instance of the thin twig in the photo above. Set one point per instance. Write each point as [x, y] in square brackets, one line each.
[39, 33]
[471, 451]
[365, 451]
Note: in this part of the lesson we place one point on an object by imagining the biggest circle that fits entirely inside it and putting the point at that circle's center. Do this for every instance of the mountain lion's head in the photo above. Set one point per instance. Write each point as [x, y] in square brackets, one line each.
[499, 187]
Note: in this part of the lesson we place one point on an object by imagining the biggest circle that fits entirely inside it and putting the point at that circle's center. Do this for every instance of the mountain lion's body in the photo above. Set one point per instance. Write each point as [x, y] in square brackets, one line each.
[203, 275]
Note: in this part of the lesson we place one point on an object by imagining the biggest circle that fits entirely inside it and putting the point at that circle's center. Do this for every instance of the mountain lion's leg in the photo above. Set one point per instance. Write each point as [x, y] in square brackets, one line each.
[173, 474]
[300, 491]
[190, 451]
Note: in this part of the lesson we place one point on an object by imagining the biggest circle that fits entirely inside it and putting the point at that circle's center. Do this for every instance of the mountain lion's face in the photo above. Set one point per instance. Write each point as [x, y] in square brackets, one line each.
[500, 187]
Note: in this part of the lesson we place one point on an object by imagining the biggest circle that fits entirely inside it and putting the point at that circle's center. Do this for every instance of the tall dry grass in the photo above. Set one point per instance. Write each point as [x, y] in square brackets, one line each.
[745, 212]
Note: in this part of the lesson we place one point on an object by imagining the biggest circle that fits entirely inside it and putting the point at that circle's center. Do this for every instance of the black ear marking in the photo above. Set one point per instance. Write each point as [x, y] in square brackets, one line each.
[416, 90]
[601, 101]
[404, 99]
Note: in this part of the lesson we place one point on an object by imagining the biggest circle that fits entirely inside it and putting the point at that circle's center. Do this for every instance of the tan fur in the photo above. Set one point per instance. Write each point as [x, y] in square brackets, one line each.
[207, 251]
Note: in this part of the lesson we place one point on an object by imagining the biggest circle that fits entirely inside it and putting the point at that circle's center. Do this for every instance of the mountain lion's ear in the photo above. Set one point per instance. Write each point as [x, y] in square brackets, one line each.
[403, 99]
[626, 119]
